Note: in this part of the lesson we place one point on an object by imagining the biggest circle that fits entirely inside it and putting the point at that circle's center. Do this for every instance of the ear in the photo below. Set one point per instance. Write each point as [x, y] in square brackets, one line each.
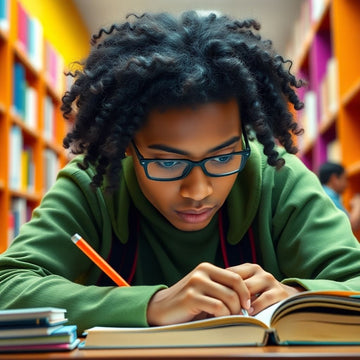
[129, 151]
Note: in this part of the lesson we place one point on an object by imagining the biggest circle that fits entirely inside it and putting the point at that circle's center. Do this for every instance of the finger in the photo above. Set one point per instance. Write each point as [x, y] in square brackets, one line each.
[246, 270]
[264, 300]
[209, 305]
[214, 284]
[236, 294]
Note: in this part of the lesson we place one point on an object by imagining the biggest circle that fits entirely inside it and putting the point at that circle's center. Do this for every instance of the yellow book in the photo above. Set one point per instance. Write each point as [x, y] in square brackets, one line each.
[311, 317]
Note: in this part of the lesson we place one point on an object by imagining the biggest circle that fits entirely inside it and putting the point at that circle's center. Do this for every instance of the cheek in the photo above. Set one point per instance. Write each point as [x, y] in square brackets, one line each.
[160, 193]
[222, 186]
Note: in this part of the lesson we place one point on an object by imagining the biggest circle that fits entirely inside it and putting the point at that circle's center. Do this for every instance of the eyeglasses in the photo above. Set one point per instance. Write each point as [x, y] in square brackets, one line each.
[176, 169]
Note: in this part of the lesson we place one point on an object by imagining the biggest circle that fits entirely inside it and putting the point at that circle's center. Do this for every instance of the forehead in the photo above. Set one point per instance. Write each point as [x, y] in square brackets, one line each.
[208, 122]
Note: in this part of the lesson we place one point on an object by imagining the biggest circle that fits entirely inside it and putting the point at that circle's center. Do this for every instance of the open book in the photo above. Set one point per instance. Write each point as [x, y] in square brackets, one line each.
[311, 317]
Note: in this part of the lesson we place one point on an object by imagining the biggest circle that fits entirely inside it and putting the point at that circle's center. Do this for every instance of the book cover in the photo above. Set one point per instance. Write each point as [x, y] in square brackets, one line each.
[40, 347]
[310, 317]
[65, 334]
[32, 316]
[27, 331]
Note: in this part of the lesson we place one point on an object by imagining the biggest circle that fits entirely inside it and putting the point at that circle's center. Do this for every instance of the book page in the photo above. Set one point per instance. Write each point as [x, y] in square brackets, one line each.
[266, 314]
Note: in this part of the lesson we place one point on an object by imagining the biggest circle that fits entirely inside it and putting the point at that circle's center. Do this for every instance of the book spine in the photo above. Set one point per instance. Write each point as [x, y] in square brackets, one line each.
[4, 15]
[22, 28]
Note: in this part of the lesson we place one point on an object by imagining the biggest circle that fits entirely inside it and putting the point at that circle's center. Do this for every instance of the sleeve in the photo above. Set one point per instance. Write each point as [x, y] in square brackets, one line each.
[313, 240]
[43, 267]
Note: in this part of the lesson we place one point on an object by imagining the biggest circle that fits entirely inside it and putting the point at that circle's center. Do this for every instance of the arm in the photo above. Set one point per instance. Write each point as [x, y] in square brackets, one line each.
[44, 268]
[314, 244]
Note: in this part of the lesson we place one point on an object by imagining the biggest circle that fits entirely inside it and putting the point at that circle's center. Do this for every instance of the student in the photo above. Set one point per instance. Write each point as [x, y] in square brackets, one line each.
[334, 181]
[168, 187]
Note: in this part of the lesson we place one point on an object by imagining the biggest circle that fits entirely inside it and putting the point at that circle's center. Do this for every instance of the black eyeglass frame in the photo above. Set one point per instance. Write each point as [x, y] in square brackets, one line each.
[191, 164]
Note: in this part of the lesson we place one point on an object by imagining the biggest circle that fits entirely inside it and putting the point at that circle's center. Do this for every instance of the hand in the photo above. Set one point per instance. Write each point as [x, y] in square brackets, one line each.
[206, 291]
[354, 214]
[355, 201]
[264, 289]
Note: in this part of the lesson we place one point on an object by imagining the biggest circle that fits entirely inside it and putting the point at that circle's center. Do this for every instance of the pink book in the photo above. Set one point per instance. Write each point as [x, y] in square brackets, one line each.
[22, 27]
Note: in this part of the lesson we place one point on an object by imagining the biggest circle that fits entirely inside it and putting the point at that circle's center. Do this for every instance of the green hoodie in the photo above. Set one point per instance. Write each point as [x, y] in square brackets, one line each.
[300, 237]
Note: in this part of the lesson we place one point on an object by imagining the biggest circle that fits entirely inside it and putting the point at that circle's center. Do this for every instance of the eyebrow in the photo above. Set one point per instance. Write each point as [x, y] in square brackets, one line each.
[185, 153]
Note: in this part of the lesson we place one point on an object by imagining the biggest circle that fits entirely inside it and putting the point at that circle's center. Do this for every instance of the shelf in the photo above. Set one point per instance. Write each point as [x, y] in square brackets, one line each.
[327, 123]
[29, 132]
[354, 169]
[352, 96]
[2, 109]
[58, 149]
[321, 24]
[3, 35]
[32, 197]
[24, 59]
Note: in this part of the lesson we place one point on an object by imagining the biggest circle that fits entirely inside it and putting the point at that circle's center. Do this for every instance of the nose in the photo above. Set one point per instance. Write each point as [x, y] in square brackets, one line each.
[196, 186]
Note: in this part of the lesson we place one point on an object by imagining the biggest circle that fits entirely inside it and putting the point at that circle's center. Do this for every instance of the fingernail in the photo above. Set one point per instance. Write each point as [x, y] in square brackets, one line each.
[248, 304]
[250, 310]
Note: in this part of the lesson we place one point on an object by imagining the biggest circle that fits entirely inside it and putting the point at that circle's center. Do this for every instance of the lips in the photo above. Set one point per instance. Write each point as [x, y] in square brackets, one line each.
[195, 216]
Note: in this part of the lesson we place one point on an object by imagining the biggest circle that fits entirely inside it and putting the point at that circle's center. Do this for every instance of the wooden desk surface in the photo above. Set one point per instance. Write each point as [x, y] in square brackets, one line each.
[253, 353]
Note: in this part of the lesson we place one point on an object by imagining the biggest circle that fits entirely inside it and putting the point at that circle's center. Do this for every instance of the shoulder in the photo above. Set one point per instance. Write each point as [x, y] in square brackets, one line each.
[293, 169]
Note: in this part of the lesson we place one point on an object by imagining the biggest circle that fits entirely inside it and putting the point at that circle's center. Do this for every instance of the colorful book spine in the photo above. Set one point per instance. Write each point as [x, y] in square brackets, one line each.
[19, 90]
[22, 27]
[19, 211]
[35, 43]
[49, 118]
[4, 15]
[54, 67]
[16, 145]
[51, 167]
[31, 107]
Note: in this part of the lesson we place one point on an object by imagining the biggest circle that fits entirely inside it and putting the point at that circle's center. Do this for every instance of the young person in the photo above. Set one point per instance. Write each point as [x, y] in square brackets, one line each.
[168, 186]
[334, 181]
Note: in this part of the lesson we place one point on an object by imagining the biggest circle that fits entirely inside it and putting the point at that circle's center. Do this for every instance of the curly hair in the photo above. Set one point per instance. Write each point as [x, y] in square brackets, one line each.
[159, 61]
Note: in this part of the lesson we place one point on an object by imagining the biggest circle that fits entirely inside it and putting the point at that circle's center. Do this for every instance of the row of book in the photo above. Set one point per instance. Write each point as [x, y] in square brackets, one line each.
[20, 213]
[29, 36]
[33, 46]
[22, 164]
[36, 329]
[321, 103]
[25, 104]
[25, 97]
[310, 12]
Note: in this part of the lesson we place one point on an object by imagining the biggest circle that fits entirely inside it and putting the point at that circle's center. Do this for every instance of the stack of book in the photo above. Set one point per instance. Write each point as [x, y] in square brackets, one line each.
[36, 329]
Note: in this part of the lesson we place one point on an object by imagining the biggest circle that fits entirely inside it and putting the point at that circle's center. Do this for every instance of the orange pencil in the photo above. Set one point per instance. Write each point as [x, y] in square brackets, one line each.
[98, 260]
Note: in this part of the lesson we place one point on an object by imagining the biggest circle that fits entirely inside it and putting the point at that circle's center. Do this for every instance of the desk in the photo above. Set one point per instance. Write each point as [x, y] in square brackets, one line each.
[253, 353]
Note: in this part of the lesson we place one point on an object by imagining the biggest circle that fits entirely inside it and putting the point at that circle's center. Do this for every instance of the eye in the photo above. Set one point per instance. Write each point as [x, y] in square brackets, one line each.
[168, 164]
[223, 159]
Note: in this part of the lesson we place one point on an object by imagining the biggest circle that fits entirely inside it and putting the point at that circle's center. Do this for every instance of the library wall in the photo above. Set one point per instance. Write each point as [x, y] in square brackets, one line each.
[37, 42]
[326, 54]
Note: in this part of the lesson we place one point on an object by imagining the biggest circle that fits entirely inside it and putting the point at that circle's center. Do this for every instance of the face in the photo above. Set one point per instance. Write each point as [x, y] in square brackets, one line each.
[340, 183]
[212, 129]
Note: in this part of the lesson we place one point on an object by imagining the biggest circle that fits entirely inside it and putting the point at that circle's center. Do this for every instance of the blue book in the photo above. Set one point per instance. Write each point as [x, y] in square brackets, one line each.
[66, 334]
[4, 15]
[19, 89]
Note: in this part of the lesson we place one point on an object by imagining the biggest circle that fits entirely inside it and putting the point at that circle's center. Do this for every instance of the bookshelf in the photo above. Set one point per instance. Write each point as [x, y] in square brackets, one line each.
[31, 123]
[327, 56]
